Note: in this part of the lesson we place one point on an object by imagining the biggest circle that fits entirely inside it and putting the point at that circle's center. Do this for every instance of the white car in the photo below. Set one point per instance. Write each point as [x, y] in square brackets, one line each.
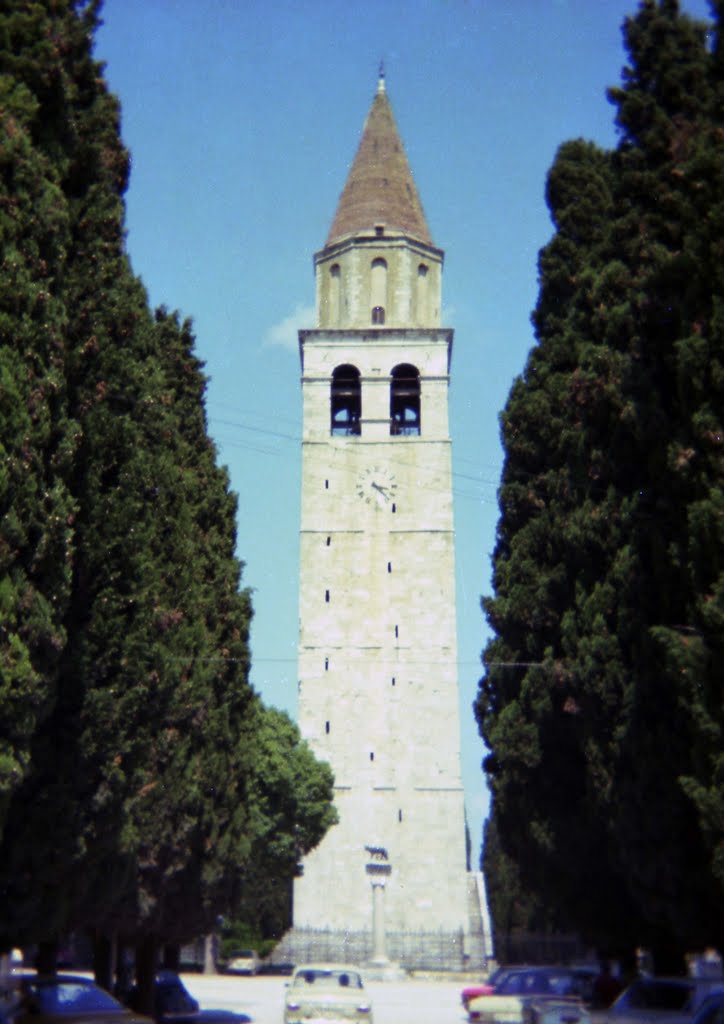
[326, 992]
[532, 995]
[244, 961]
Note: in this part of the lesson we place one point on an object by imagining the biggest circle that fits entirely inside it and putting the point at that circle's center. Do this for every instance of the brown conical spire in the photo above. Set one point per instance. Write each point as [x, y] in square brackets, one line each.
[380, 188]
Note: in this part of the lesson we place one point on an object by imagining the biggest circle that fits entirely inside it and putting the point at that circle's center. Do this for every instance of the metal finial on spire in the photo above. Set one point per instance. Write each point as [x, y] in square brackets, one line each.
[381, 79]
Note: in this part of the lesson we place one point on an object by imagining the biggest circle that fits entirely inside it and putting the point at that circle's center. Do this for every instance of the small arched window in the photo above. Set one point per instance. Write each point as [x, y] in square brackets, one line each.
[405, 401]
[346, 401]
[378, 290]
[335, 294]
[422, 294]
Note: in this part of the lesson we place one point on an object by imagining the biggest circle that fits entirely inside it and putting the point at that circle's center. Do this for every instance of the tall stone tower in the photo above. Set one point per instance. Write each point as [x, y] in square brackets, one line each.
[378, 691]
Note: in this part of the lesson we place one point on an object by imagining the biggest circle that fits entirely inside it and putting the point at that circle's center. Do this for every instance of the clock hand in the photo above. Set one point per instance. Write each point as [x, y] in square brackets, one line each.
[382, 490]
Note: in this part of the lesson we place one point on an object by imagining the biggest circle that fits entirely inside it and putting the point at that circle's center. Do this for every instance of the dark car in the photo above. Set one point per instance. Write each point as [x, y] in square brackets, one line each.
[527, 981]
[486, 988]
[174, 1004]
[711, 1010]
[653, 1000]
[171, 1000]
[67, 999]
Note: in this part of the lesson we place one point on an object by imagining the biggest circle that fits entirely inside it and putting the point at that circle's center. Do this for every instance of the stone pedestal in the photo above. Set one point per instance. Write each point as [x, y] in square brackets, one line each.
[378, 871]
[379, 944]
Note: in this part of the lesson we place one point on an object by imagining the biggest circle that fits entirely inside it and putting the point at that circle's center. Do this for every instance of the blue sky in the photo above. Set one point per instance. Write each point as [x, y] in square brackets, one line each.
[242, 117]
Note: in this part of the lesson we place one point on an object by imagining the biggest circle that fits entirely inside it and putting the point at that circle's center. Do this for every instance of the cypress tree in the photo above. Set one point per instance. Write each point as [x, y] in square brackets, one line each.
[102, 328]
[671, 169]
[131, 696]
[37, 434]
[183, 802]
[129, 780]
[602, 702]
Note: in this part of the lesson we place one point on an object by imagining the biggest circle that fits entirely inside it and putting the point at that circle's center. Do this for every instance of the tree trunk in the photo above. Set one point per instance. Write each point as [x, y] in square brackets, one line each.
[172, 957]
[146, 961]
[46, 959]
[103, 965]
[125, 971]
[669, 958]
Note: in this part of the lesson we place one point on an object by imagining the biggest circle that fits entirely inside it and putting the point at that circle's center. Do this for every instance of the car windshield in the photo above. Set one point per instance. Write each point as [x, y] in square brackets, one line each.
[565, 984]
[70, 997]
[523, 983]
[328, 978]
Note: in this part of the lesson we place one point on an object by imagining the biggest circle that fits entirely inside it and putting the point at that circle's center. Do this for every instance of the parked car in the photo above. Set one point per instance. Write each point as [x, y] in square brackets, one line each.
[711, 1010]
[474, 991]
[68, 999]
[652, 1000]
[487, 988]
[550, 995]
[328, 992]
[243, 961]
[174, 1004]
[555, 1011]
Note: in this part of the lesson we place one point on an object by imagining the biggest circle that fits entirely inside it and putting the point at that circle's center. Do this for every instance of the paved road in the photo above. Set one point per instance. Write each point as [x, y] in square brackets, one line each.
[403, 1002]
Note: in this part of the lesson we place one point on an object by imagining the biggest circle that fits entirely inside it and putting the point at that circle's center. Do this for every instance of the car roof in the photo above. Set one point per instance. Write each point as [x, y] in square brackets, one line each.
[538, 969]
[54, 979]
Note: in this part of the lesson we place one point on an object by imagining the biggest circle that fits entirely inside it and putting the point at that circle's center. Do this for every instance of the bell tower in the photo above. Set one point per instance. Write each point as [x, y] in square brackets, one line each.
[378, 690]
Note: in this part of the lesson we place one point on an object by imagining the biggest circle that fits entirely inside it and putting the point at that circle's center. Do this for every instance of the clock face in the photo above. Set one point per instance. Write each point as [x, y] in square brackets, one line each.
[376, 486]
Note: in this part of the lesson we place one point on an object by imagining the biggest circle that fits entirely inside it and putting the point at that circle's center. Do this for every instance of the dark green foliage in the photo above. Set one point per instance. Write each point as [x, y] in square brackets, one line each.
[290, 806]
[37, 438]
[131, 785]
[163, 650]
[602, 702]
[238, 935]
[512, 910]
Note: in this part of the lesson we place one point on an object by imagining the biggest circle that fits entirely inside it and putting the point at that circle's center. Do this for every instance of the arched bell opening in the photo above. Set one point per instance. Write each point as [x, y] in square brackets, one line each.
[346, 401]
[405, 401]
